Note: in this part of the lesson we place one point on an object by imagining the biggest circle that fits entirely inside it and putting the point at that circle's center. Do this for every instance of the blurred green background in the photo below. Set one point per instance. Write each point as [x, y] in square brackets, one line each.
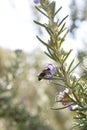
[24, 101]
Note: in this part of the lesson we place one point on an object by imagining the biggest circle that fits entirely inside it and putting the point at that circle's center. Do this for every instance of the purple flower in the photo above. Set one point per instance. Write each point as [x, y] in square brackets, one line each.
[62, 96]
[36, 1]
[69, 106]
[64, 99]
[48, 72]
[51, 69]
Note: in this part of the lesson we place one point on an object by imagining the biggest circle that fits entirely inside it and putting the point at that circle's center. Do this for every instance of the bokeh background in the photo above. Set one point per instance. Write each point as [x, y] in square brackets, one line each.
[25, 102]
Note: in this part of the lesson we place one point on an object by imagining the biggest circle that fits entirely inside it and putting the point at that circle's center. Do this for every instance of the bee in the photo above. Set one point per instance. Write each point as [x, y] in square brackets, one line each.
[44, 74]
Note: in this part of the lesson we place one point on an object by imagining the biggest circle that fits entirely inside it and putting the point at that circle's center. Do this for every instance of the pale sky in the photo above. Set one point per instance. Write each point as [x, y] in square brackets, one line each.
[16, 28]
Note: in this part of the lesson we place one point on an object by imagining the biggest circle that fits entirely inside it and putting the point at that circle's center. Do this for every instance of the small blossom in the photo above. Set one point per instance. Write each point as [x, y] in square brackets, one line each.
[66, 90]
[36, 1]
[69, 106]
[52, 69]
[48, 72]
[62, 95]
[74, 107]
[63, 98]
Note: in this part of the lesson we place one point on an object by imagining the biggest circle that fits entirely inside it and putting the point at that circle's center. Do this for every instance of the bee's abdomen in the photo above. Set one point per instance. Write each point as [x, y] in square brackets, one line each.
[41, 75]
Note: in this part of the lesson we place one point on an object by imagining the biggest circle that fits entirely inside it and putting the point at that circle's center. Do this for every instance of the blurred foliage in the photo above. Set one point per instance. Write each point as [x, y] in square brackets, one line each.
[25, 102]
[78, 14]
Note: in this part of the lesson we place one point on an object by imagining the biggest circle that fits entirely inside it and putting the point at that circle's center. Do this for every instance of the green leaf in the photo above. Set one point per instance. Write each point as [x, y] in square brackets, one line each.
[63, 38]
[48, 29]
[75, 66]
[47, 45]
[52, 54]
[45, 26]
[48, 55]
[67, 56]
[58, 10]
[52, 9]
[62, 29]
[69, 68]
[61, 107]
[40, 24]
[41, 12]
[77, 125]
[62, 20]
[60, 84]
